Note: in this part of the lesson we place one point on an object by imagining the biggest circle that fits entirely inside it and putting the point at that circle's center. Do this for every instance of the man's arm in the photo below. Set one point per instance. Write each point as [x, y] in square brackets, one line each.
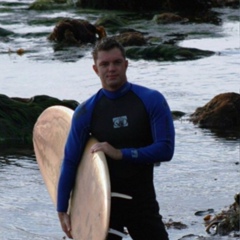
[163, 133]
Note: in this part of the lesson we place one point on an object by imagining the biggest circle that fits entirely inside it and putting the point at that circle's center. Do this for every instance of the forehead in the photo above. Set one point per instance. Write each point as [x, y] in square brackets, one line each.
[110, 55]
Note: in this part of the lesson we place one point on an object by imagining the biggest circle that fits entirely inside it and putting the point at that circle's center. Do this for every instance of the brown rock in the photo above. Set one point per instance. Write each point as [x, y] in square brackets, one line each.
[131, 38]
[222, 112]
[73, 31]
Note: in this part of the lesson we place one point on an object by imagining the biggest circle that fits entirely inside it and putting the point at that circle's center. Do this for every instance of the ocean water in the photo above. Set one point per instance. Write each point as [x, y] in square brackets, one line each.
[204, 172]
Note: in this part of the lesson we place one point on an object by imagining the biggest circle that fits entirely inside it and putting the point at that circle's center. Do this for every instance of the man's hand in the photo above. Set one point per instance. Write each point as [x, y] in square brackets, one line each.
[108, 149]
[65, 223]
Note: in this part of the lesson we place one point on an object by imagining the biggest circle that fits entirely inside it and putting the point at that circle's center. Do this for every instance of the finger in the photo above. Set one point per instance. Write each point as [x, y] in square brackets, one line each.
[68, 232]
[68, 224]
[93, 148]
[96, 149]
[69, 235]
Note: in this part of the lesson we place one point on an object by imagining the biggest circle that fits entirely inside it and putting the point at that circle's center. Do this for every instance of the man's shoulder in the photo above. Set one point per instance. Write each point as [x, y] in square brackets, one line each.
[88, 104]
[145, 92]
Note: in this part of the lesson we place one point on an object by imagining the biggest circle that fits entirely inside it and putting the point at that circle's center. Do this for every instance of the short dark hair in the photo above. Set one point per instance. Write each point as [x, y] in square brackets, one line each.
[106, 44]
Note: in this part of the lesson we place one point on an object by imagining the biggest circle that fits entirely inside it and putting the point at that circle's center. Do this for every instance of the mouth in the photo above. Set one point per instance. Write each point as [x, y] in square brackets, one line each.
[112, 77]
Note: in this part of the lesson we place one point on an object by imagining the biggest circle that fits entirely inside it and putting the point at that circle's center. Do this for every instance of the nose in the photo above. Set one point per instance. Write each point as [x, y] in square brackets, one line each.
[111, 67]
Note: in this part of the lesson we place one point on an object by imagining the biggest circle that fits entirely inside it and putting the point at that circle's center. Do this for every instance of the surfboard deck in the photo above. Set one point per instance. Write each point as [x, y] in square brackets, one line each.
[90, 199]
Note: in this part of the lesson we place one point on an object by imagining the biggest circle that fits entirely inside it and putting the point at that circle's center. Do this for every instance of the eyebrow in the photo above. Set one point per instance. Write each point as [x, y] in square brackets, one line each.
[115, 60]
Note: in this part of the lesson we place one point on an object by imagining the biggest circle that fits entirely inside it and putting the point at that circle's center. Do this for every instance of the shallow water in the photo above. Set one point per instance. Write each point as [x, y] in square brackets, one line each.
[205, 170]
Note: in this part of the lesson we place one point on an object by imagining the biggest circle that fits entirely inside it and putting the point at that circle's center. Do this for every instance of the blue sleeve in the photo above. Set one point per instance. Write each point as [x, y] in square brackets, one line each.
[163, 133]
[74, 148]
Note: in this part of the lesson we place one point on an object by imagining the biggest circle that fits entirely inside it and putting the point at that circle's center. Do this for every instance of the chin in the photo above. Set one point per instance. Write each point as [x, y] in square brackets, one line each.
[113, 87]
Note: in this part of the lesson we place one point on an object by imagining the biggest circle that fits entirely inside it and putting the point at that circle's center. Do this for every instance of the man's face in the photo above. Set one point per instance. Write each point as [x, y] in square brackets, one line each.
[111, 67]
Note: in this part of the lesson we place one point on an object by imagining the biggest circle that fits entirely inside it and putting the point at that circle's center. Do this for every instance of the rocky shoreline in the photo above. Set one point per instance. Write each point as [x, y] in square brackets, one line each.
[18, 116]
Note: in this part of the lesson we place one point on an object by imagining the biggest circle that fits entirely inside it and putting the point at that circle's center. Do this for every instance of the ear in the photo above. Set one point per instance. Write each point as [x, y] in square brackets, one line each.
[126, 64]
[95, 69]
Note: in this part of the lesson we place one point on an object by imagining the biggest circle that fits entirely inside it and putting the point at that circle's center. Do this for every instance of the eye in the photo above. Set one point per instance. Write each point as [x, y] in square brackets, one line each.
[104, 64]
[118, 62]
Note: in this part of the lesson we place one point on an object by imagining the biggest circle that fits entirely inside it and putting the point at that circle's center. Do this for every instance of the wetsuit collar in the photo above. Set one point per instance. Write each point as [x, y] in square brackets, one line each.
[120, 92]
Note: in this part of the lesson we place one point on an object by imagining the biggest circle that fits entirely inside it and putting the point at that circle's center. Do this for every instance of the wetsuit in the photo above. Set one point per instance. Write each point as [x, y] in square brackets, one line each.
[138, 121]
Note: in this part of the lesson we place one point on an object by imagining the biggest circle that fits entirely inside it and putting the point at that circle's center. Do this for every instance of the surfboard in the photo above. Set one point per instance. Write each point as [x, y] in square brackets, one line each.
[89, 206]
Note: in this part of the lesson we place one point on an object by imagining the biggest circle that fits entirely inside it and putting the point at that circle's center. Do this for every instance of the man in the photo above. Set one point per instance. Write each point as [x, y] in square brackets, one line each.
[134, 127]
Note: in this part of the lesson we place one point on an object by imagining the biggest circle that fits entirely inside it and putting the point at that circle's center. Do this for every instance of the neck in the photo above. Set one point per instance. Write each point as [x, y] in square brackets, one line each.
[119, 92]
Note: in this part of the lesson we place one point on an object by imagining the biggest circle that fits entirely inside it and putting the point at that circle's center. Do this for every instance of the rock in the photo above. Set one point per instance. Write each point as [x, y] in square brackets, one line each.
[224, 3]
[226, 221]
[41, 5]
[145, 5]
[187, 5]
[18, 116]
[175, 225]
[166, 52]
[165, 18]
[111, 21]
[176, 115]
[126, 5]
[132, 38]
[222, 112]
[76, 31]
[5, 32]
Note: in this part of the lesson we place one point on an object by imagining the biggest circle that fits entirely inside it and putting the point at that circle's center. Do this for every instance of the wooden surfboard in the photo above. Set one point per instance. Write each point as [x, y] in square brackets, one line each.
[90, 200]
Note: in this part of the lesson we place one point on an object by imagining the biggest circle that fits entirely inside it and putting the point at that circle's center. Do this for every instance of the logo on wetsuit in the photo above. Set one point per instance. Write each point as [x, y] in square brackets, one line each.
[119, 122]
